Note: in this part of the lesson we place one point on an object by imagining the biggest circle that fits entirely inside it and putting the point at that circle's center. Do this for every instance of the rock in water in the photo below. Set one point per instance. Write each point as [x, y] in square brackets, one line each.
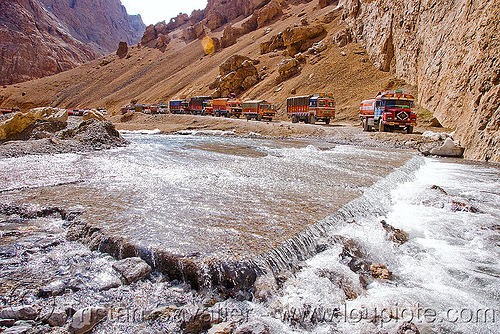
[19, 313]
[380, 271]
[85, 319]
[448, 149]
[395, 234]
[408, 328]
[132, 269]
[253, 328]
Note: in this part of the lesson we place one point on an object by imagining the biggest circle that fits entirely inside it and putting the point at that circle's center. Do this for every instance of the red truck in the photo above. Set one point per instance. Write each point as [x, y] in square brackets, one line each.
[311, 108]
[389, 110]
[259, 110]
[227, 107]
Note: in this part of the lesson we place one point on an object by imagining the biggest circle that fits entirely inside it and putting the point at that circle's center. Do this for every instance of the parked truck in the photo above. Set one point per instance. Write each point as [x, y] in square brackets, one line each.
[311, 108]
[227, 107]
[178, 106]
[389, 110]
[259, 110]
[196, 104]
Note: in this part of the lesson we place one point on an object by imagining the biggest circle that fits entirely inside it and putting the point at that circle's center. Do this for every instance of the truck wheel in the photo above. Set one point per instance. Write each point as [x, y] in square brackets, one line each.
[381, 127]
[259, 117]
[327, 120]
[295, 119]
[409, 129]
[364, 123]
[312, 119]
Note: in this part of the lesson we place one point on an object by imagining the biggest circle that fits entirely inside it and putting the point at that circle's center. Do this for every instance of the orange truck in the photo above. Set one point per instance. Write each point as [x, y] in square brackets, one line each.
[258, 109]
[311, 108]
[389, 110]
[227, 107]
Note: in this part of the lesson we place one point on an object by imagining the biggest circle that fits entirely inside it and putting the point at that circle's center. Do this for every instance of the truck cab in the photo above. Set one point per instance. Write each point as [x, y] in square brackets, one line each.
[388, 111]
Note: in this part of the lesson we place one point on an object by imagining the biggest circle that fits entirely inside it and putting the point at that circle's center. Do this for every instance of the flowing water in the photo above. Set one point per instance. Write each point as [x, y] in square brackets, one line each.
[210, 196]
[293, 206]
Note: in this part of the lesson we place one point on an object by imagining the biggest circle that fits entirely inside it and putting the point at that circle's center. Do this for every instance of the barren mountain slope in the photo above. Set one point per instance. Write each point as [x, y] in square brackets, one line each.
[148, 75]
[44, 37]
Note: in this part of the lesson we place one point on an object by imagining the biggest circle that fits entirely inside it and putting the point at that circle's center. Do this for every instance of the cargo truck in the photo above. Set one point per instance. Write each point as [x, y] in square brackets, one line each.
[196, 104]
[388, 111]
[227, 107]
[178, 106]
[311, 108]
[259, 110]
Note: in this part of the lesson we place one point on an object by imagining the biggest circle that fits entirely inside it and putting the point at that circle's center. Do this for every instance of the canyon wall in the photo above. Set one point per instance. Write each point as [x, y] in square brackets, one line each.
[450, 50]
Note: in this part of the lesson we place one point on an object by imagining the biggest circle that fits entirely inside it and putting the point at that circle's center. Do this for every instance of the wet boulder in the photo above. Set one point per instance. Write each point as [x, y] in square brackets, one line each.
[380, 271]
[254, 327]
[19, 313]
[19, 329]
[395, 234]
[55, 288]
[222, 328]
[132, 269]
[461, 206]
[86, 318]
[198, 323]
[408, 328]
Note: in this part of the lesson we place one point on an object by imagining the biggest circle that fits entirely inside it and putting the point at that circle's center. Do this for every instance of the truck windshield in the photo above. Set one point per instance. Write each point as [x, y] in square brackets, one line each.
[325, 103]
[398, 103]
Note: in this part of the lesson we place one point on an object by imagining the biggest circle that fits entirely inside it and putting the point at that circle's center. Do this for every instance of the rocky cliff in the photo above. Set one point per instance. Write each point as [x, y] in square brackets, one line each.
[449, 49]
[44, 37]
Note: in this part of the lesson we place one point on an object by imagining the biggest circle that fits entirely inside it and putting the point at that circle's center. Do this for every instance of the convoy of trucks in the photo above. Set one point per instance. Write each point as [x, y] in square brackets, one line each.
[387, 111]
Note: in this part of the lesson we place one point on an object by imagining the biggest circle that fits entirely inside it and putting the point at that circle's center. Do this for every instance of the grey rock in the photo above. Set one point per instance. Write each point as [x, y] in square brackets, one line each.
[55, 317]
[252, 328]
[448, 149]
[19, 313]
[132, 269]
[18, 330]
[85, 319]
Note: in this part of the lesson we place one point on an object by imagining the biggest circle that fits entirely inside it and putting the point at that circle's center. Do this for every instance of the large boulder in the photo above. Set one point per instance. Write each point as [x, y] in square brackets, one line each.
[269, 12]
[18, 123]
[274, 43]
[86, 318]
[287, 68]
[194, 32]
[132, 269]
[448, 149]
[19, 313]
[93, 114]
[237, 74]
[122, 51]
[299, 39]
[54, 317]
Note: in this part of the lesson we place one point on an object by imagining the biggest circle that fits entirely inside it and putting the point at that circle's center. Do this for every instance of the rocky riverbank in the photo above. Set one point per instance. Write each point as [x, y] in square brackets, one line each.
[50, 131]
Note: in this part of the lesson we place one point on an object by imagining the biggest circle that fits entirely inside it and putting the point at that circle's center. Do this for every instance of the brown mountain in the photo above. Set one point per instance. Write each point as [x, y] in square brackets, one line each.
[44, 37]
[446, 53]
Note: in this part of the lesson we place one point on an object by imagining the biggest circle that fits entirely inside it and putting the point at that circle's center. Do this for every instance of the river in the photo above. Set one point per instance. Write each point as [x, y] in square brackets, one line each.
[217, 198]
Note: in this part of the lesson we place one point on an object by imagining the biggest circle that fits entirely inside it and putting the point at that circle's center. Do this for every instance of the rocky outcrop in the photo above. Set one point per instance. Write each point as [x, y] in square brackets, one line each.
[156, 36]
[450, 50]
[294, 39]
[287, 68]
[299, 39]
[194, 32]
[324, 3]
[237, 74]
[43, 37]
[219, 12]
